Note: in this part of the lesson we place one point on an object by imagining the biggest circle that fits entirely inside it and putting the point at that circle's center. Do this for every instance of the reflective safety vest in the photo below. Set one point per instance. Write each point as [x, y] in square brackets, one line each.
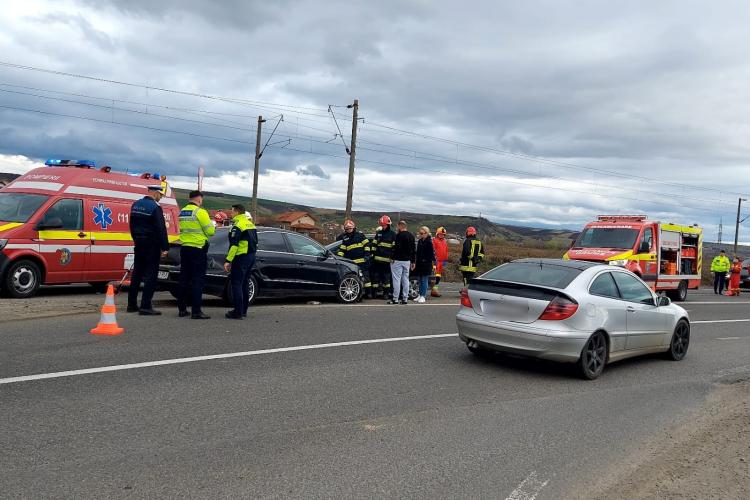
[243, 237]
[382, 245]
[355, 246]
[472, 255]
[720, 264]
[195, 226]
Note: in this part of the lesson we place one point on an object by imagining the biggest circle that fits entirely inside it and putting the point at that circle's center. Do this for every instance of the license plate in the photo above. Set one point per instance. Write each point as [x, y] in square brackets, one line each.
[163, 275]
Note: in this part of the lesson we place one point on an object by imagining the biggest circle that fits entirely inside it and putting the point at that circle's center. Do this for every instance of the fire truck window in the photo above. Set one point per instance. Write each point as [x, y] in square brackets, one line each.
[69, 212]
[648, 237]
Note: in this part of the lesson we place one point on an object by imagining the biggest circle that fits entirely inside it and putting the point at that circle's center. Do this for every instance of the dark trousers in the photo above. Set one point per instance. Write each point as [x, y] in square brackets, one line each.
[193, 263]
[380, 277]
[719, 279]
[239, 276]
[145, 268]
[467, 276]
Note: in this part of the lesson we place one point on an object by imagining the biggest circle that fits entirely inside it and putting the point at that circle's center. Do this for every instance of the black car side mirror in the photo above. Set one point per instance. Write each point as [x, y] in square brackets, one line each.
[51, 223]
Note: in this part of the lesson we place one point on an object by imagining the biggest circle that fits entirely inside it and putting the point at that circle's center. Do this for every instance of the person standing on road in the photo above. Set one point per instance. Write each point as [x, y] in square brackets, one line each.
[471, 255]
[243, 244]
[424, 262]
[382, 254]
[734, 279]
[356, 247]
[195, 230]
[720, 266]
[149, 233]
[440, 245]
[404, 257]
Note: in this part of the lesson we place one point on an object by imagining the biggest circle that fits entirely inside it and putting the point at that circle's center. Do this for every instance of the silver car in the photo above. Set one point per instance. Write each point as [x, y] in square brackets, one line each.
[570, 311]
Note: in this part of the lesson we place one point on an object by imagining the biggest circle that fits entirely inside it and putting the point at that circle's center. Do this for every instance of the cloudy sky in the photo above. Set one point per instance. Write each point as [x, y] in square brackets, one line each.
[541, 112]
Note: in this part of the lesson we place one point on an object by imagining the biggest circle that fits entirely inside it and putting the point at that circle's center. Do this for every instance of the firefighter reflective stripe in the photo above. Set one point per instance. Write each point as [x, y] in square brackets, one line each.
[475, 255]
[383, 244]
[355, 246]
[359, 261]
[382, 259]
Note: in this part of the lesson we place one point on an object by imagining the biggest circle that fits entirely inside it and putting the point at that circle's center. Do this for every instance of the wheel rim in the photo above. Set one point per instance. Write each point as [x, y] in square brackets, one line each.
[23, 279]
[250, 291]
[595, 354]
[413, 289]
[349, 289]
[680, 340]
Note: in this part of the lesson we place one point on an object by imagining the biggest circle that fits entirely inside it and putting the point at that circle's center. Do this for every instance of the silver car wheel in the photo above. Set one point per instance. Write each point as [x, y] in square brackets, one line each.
[349, 289]
[593, 356]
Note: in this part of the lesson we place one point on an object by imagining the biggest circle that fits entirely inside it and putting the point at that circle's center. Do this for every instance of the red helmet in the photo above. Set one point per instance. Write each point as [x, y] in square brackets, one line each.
[471, 231]
[385, 221]
[349, 224]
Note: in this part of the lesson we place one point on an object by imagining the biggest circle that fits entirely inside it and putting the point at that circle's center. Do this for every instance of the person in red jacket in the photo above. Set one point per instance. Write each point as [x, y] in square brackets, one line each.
[441, 257]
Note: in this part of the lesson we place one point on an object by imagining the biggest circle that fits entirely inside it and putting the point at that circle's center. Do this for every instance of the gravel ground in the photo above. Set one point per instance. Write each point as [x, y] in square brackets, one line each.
[708, 457]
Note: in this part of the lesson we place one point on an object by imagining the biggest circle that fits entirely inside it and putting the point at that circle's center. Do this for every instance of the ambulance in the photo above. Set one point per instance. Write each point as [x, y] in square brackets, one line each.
[668, 257]
[68, 222]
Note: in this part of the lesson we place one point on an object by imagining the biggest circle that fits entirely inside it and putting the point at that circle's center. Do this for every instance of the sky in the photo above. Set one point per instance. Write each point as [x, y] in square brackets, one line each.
[540, 113]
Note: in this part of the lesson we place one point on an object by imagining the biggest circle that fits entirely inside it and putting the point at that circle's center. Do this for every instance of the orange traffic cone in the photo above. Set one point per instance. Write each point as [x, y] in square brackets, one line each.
[108, 322]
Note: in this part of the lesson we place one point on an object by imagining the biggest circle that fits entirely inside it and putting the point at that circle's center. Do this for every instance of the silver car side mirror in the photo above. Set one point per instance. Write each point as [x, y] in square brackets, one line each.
[662, 301]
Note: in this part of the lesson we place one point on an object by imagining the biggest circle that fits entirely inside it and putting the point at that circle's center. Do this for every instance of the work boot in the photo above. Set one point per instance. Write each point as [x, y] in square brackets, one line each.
[132, 309]
[435, 293]
[183, 314]
[149, 312]
[200, 315]
[232, 315]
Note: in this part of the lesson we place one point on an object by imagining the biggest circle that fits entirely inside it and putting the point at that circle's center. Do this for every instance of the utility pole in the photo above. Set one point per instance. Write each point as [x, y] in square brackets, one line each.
[254, 210]
[721, 228]
[352, 149]
[737, 225]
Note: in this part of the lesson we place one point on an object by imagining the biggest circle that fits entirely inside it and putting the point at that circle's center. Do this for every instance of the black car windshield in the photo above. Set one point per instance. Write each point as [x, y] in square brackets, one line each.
[605, 237]
[19, 207]
[533, 273]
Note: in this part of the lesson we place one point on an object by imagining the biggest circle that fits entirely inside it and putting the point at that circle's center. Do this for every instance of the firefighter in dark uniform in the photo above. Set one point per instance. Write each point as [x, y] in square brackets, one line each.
[356, 247]
[149, 233]
[382, 254]
[471, 255]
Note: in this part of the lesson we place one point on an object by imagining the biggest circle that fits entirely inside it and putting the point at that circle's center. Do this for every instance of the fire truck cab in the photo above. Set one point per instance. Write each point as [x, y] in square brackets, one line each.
[668, 257]
[68, 222]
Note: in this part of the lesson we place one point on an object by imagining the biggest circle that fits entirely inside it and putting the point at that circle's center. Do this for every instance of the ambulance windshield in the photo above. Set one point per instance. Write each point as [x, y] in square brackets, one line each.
[605, 237]
[19, 207]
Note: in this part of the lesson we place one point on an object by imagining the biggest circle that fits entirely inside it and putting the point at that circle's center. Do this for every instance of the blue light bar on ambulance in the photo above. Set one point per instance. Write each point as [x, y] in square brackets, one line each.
[52, 162]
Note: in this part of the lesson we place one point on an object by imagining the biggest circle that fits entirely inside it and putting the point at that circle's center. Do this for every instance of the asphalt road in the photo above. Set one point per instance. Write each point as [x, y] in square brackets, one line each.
[379, 416]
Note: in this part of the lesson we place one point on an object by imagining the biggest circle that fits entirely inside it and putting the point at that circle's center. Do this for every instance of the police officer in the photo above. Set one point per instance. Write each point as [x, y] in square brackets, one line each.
[195, 230]
[356, 247]
[382, 254]
[471, 255]
[149, 233]
[243, 243]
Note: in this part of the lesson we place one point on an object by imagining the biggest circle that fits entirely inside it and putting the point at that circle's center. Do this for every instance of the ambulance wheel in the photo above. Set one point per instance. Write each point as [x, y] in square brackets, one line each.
[679, 295]
[229, 297]
[23, 279]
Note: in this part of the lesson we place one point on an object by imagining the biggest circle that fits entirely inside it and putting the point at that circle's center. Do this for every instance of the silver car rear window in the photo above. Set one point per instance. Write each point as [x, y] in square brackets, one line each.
[534, 273]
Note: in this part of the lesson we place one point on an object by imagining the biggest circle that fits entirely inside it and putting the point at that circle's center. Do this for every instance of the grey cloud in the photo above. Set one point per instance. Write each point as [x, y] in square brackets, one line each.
[312, 171]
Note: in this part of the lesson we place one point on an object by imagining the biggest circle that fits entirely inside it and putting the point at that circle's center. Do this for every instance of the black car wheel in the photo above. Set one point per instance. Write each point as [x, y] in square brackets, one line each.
[23, 279]
[349, 289]
[678, 347]
[593, 357]
[679, 295]
[252, 292]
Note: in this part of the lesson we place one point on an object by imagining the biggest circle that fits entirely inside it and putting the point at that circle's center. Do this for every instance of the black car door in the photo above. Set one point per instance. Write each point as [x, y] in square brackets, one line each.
[316, 268]
[273, 260]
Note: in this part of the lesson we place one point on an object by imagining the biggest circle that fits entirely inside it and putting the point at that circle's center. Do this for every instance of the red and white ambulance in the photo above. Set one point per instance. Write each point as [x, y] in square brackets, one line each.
[68, 222]
[668, 257]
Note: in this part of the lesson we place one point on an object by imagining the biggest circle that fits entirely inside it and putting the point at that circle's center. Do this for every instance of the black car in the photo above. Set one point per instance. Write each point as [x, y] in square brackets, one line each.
[287, 264]
[744, 275]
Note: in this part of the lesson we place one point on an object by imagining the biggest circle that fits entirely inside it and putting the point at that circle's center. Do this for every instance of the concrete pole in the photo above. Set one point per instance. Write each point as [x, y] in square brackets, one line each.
[350, 187]
[254, 209]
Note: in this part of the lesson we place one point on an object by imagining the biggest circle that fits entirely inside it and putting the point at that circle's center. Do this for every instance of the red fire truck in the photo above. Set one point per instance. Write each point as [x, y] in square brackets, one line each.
[68, 222]
[668, 257]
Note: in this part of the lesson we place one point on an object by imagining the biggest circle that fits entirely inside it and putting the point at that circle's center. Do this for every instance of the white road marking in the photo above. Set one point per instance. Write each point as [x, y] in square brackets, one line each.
[728, 338]
[703, 322]
[176, 361]
[529, 488]
[719, 303]
[452, 304]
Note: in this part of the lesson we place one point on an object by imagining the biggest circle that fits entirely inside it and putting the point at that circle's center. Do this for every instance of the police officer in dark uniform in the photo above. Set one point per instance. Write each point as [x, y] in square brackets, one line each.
[149, 233]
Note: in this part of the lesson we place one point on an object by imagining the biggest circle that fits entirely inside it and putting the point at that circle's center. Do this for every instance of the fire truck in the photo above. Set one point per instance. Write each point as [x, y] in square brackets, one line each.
[668, 257]
[69, 222]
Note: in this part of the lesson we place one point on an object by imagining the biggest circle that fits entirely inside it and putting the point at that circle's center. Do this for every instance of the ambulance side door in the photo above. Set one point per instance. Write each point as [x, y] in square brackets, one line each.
[62, 241]
[107, 221]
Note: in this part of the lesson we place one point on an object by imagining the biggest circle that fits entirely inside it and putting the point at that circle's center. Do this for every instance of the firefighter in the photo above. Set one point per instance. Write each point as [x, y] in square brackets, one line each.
[243, 243]
[733, 289]
[149, 233]
[356, 247]
[472, 254]
[382, 254]
[441, 257]
[195, 230]
[720, 267]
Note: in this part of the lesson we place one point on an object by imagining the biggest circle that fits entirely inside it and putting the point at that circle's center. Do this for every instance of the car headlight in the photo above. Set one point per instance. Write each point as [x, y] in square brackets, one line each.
[619, 262]
[3, 243]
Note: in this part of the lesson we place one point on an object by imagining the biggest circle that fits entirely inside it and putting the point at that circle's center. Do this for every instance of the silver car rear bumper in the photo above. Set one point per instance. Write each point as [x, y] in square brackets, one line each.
[521, 339]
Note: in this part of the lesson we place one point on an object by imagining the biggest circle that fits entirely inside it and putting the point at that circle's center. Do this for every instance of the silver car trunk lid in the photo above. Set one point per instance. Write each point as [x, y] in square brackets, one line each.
[505, 301]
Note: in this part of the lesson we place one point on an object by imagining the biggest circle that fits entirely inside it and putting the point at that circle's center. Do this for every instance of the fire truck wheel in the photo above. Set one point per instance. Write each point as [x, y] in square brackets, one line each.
[23, 279]
[679, 295]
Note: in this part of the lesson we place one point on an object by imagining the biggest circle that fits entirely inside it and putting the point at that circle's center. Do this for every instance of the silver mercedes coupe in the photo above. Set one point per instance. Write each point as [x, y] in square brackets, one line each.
[570, 311]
